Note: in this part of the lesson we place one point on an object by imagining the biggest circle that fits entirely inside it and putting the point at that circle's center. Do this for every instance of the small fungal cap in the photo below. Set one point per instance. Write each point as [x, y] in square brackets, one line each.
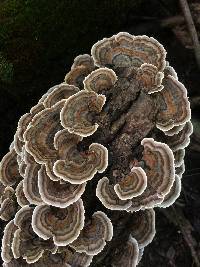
[83, 65]
[9, 174]
[149, 78]
[100, 80]
[30, 184]
[63, 225]
[132, 185]
[107, 195]
[127, 254]
[83, 166]
[179, 157]
[62, 91]
[160, 172]
[58, 194]
[6, 251]
[143, 227]
[8, 205]
[94, 235]
[174, 107]
[173, 194]
[126, 50]
[77, 113]
[40, 134]
[182, 139]
[21, 198]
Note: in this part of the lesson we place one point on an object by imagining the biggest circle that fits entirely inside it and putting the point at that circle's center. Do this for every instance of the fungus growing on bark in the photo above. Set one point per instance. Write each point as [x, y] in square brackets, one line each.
[83, 65]
[9, 174]
[94, 235]
[76, 113]
[58, 194]
[93, 158]
[127, 255]
[174, 106]
[84, 166]
[63, 225]
[107, 195]
[132, 185]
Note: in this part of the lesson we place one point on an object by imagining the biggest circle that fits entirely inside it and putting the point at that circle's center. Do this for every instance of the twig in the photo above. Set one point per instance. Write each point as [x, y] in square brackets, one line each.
[192, 29]
[176, 216]
[172, 21]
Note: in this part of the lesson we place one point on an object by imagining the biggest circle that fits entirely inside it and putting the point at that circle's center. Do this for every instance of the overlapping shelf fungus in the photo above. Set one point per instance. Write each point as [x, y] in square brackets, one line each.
[94, 158]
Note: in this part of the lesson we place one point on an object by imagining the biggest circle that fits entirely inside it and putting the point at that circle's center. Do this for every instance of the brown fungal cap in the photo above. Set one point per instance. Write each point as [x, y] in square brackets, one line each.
[174, 107]
[30, 184]
[127, 255]
[75, 115]
[149, 78]
[82, 66]
[174, 130]
[26, 243]
[173, 194]
[132, 185]
[40, 134]
[107, 195]
[94, 235]
[179, 157]
[126, 50]
[8, 203]
[63, 225]
[160, 172]
[83, 166]
[180, 170]
[62, 91]
[21, 198]
[182, 139]
[58, 194]
[6, 251]
[100, 80]
[143, 227]
[9, 173]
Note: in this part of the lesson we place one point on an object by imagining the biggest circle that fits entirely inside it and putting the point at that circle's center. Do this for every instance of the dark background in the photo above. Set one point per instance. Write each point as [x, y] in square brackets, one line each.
[38, 42]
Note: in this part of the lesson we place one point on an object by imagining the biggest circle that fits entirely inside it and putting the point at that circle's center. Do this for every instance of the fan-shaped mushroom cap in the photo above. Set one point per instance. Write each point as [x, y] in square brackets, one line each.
[62, 91]
[21, 165]
[83, 166]
[143, 227]
[18, 144]
[132, 185]
[182, 139]
[58, 194]
[174, 130]
[83, 65]
[127, 254]
[30, 184]
[126, 50]
[160, 172]
[9, 173]
[94, 235]
[173, 194]
[6, 251]
[100, 80]
[179, 157]
[23, 124]
[8, 204]
[180, 170]
[149, 78]
[25, 242]
[64, 225]
[40, 134]
[174, 107]
[169, 70]
[21, 199]
[108, 196]
[76, 115]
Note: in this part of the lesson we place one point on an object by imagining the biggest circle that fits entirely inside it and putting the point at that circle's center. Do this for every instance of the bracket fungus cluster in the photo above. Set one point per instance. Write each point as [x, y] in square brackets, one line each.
[94, 158]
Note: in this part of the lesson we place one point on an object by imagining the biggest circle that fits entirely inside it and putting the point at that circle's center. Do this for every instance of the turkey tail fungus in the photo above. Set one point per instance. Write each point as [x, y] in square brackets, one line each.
[94, 158]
